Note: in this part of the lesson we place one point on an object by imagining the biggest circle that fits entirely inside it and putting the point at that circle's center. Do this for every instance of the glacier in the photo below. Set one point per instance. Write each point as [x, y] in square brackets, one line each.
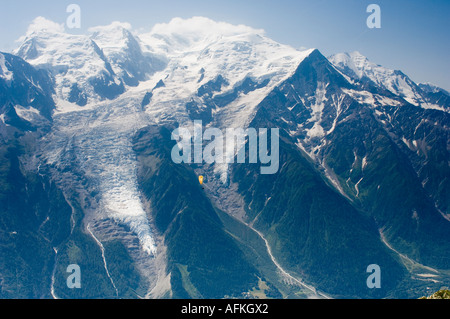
[97, 134]
[101, 141]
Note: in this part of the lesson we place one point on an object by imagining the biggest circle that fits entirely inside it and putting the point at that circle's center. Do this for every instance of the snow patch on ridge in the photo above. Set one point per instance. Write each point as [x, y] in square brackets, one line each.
[358, 66]
[5, 73]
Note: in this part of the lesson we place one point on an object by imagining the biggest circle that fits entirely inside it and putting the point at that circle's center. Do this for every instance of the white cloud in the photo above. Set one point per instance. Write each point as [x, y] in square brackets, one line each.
[198, 28]
[181, 33]
[41, 24]
[114, 26]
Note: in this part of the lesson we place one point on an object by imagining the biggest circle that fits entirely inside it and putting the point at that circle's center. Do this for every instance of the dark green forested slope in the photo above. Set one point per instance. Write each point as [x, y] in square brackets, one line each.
[204, 260]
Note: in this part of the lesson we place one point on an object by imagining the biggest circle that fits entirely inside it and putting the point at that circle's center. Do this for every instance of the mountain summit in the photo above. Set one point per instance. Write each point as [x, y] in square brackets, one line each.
[359, 67]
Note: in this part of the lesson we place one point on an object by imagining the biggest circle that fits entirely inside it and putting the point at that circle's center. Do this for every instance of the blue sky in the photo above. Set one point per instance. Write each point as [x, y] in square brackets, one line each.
[414, 35]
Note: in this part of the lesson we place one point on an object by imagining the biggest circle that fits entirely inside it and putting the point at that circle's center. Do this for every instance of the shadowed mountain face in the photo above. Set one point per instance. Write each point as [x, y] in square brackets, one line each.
[376, 181]
[366, 157]
[25, 90]
[314, 231]
[87, 176]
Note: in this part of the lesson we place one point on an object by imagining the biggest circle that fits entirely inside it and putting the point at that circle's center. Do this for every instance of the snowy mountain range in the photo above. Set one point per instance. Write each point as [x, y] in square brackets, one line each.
[85, 143]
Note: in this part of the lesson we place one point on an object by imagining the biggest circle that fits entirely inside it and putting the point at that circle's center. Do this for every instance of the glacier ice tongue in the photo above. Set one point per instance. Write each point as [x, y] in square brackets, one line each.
[101, 141]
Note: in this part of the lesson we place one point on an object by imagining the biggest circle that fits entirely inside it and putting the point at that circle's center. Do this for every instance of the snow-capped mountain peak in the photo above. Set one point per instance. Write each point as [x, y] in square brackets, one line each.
[124, 50]
[111, 37]
[358, 67]
[78, 66]
[354, 62]
[184, 53]
[201, 52]
[432, 88]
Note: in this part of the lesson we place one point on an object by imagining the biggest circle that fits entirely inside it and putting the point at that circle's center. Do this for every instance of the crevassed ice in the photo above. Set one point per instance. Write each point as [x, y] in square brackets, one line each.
[101, 140]
[123, 204]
